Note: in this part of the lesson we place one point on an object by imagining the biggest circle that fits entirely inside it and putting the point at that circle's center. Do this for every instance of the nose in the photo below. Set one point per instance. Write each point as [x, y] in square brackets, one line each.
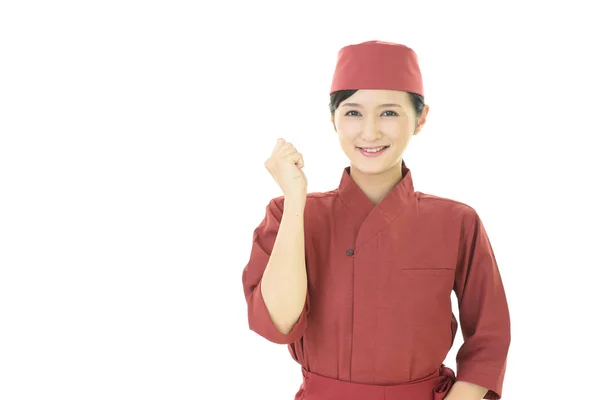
[371, 129]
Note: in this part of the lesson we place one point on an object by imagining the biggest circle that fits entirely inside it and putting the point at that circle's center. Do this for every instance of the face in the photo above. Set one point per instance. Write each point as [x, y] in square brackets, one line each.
[371, 119]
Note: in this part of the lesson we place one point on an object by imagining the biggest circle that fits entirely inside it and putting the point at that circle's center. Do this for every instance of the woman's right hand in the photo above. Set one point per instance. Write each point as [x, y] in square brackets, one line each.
[285, 166]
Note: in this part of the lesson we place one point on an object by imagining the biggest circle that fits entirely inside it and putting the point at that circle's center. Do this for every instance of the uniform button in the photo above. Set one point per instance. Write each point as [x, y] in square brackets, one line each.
[350, 252]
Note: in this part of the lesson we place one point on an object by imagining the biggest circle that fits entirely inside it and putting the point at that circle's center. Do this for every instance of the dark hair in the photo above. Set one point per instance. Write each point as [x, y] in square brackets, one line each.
[337, 97]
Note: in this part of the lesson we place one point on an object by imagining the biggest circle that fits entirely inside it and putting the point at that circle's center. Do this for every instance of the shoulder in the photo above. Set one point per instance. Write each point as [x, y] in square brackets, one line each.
[320, 202]
[313, 199]
[447, 206]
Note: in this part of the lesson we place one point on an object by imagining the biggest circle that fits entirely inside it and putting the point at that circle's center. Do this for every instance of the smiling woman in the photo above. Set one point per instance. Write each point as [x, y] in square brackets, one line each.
[357, 281]
[374, 128]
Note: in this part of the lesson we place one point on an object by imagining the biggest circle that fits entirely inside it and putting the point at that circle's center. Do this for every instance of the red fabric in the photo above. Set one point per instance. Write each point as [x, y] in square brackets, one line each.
[377, 65]
[317, 387]
[382, 313]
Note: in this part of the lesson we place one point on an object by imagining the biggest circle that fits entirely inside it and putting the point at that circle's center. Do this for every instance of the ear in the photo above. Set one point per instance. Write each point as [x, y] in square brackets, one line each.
[421, 120]
[333, 122]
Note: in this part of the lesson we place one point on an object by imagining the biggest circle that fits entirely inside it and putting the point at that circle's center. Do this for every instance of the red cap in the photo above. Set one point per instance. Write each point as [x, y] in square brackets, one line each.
[377, 65]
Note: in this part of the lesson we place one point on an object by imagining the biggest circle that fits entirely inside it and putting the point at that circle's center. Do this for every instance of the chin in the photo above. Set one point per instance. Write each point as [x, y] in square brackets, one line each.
[370, 169]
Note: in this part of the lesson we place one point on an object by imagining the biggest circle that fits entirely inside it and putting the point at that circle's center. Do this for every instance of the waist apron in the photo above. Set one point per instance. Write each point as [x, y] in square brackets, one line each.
[432, 387]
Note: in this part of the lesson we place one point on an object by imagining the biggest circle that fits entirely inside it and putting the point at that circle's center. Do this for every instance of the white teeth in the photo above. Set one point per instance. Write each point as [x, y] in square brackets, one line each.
[373, 150]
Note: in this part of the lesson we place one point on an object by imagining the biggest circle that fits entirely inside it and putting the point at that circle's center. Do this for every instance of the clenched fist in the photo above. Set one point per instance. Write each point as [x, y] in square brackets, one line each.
[285, 166]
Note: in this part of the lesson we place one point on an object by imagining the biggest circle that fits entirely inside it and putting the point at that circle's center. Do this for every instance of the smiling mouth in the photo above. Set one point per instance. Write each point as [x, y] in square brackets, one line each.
[373, 149]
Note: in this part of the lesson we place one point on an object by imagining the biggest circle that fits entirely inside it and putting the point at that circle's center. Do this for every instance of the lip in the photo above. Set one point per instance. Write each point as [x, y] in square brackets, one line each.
[372, 147]
[367, 154]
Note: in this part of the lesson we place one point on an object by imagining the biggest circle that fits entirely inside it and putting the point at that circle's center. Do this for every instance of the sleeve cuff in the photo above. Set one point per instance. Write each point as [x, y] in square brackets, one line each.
[262, 323]
[490, 377]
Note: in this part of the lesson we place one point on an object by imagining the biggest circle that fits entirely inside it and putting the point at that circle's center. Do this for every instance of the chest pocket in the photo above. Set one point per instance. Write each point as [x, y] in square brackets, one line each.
[447, 272]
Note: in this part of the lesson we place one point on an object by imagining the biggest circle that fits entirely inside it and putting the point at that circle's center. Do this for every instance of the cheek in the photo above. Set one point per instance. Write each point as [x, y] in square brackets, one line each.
[348, 127]
[347, 131]
[395, 125]
[397, 130]
[346, 140]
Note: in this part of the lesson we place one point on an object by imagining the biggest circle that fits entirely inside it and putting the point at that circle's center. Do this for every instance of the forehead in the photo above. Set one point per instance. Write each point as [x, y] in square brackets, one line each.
[374, 97]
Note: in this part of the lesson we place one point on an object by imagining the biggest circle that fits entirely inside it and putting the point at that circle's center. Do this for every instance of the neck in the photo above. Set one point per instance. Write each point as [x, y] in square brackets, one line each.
[377, 186]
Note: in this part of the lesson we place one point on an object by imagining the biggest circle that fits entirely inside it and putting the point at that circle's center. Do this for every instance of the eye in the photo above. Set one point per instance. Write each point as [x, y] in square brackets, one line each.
[393, 113]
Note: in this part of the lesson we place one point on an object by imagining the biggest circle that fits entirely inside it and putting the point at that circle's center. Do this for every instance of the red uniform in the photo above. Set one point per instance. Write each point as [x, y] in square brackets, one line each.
[378, 321]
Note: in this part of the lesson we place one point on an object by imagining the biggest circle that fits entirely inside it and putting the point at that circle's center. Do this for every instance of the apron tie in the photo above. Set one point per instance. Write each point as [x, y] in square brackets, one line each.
[442, 388]
[318, 387]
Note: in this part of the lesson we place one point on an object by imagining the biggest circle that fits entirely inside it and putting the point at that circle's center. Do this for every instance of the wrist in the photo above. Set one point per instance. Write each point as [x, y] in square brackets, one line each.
[294, 206]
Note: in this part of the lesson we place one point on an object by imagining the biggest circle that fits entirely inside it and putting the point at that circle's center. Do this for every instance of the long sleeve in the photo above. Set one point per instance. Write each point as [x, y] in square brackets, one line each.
[259, 319]
[483, 309]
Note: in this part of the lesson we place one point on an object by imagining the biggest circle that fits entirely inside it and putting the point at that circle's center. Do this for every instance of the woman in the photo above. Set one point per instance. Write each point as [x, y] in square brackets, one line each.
[357, 281]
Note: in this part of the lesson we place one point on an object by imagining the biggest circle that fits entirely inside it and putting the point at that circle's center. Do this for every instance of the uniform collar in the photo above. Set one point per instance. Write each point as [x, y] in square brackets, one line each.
[359, 204]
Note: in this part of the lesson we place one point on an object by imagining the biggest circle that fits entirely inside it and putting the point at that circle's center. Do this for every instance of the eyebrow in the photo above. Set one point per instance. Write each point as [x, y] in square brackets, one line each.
[381, 105]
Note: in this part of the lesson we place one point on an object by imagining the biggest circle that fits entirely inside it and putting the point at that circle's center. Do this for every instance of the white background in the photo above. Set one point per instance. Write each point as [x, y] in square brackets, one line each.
[133, 136]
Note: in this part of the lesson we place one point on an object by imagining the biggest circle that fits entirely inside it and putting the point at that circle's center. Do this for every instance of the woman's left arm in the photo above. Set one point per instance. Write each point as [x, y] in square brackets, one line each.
[484, 316]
